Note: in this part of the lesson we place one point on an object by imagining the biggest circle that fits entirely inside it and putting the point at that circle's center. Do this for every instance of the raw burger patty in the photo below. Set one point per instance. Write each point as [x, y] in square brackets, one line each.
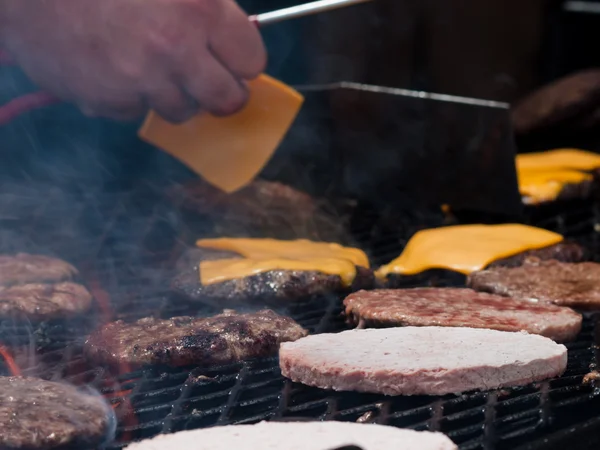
[298, 436]
[421, 360]
[273, 287]
[454, 307]
[39, 414]
[24, 268]
[41, 302]
[180, 341]
[567, 284]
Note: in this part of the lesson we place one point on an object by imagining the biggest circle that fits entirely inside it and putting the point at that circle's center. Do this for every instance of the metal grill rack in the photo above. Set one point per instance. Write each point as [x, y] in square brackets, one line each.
[159, 400]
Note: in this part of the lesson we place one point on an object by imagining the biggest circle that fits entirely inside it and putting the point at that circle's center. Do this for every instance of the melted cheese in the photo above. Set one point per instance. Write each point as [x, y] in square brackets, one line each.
[466, 248]
[229, 152]
[543, 175]
[263, 255]
[301, 249]
[221, 270]
[568, 158]
[539, 186]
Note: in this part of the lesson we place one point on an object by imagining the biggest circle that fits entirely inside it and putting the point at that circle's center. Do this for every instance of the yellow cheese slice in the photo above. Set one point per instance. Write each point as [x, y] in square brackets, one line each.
[466, 248]
[229, 152]
[567, 158]
[539, 185]
[299, 250]
[221, 270]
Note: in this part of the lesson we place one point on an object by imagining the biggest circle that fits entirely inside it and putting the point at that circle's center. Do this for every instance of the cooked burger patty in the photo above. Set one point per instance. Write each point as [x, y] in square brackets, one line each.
[39, 414]
[273, 287]
[567, 102]
[25, 268]
[41, 302]
[567, 284]
[421, 360]
[263, 208]
[179, 341]
[566, 251]
[455, 307]
[299, 436]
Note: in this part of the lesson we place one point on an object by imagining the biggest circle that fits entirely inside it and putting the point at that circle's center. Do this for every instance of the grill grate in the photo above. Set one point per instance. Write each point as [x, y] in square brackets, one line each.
[128, 250]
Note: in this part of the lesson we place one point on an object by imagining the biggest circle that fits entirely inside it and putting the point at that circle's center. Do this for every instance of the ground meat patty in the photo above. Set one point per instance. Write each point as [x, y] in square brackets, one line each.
[262, 208]
[180, 341]
[569, 191]
[299, 436]
[41, 302]
[566, 102]
[421, 360]
[456, 307]
[25, 268]
[567, 251]
[567, 284]
[273, 287]
[39, 414]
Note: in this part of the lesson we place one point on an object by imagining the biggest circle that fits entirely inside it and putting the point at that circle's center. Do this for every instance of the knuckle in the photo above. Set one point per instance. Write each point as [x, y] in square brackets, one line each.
[167, 40]
[208, 9]
[230, 103]
[259, 63]
[131, 70]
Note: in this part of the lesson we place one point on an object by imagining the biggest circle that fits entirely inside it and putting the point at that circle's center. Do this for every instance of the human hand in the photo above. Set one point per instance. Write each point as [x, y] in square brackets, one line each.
[119, 58]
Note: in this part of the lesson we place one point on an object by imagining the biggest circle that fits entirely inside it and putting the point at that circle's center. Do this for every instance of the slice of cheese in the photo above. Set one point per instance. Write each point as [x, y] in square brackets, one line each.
[466, 248]
[221, 270]
[539, 185]
[263, 255]
[229, 152]
[300, 250]
[567, 158]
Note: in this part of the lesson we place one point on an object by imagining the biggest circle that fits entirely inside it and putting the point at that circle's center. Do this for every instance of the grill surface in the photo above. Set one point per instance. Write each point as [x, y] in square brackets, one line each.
[125, 246]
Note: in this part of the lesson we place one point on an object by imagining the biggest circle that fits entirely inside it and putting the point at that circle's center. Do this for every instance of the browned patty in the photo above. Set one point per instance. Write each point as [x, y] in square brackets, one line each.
[273, 287]
[572, 191]
[41, 302]
[44, 415]
[263, 208]
[566, 251]
[568, 101]
[568, 284]
[25, 268]
[459, 307]
[179, 341]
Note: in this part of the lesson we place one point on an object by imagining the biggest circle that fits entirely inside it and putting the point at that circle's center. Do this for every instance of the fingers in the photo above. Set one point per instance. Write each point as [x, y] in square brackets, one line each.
[129, 109]
[212, 86]
[237, 44]
[171, 103]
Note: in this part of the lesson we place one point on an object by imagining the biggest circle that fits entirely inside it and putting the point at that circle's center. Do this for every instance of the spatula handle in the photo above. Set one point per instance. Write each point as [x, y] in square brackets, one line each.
[306, 9]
